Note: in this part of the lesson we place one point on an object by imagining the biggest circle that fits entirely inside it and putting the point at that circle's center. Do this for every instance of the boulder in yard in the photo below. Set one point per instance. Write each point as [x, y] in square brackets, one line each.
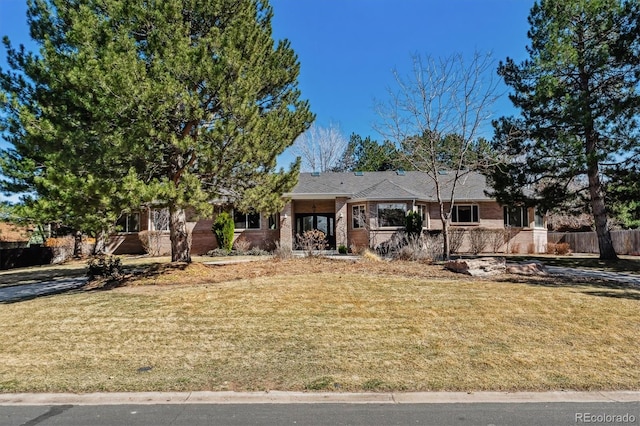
[478, 267]
[528, 268]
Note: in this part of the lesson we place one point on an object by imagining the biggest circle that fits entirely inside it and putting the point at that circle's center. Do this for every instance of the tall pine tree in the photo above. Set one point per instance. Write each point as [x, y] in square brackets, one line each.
[579, 102]
[178, 101]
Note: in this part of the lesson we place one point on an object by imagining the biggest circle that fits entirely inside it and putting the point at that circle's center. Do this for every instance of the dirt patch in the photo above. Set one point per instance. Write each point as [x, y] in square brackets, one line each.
[170, 275]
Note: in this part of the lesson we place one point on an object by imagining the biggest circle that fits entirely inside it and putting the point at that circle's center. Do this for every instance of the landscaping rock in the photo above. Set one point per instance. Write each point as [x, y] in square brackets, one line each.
[478, 267]
[529, 268]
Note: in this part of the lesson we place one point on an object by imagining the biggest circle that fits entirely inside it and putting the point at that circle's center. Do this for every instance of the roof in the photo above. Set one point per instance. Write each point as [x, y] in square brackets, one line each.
[388, 185]
[12, 233]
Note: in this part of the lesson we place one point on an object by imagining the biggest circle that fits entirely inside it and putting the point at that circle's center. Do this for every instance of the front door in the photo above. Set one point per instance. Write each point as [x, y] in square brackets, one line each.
[324, 222]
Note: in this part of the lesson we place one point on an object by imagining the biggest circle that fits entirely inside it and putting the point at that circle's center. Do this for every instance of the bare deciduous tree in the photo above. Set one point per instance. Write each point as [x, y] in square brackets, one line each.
[436, 116]
[320, 148]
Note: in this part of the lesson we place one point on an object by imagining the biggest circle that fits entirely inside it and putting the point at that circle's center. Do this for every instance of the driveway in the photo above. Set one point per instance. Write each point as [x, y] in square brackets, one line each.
[593, 273]
[29, 291]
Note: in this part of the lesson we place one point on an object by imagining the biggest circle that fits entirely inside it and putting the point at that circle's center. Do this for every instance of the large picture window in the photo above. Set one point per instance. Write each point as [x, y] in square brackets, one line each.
[128, 222]
[358, 217]
[392, 214]
[465, 214]
[250, 220]
[517, 217]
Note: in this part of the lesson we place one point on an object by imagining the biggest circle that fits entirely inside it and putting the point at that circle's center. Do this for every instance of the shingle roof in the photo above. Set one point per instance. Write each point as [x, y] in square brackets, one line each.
[388, 185]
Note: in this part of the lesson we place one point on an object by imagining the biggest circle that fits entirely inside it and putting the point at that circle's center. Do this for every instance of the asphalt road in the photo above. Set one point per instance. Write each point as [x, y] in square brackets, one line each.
[498, 414]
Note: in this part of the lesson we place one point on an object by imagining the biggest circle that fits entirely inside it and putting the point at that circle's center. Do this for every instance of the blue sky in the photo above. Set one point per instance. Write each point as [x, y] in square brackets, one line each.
[349, 48]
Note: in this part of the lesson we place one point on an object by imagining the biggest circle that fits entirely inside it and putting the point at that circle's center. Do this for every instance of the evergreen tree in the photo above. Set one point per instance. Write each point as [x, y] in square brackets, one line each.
[579, 102]
[367, 155]
[183, 101]
[623, 195]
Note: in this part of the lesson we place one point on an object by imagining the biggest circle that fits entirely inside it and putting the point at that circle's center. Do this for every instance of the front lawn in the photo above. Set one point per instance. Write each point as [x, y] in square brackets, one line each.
[323, 325]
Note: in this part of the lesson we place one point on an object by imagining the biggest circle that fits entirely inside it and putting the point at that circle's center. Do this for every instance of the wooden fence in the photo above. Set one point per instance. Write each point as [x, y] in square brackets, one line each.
[624, 242]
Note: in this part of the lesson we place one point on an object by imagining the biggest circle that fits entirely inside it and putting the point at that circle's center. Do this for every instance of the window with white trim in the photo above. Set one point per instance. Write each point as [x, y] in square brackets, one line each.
[392, 214]
[465, 213]
[358, 216]
[250, 220]
[538, 219]
[160, 219]
[128, 222]
[516, 216]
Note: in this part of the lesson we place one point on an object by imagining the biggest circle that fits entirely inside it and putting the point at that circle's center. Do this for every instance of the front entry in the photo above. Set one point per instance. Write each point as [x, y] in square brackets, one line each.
[321, 221]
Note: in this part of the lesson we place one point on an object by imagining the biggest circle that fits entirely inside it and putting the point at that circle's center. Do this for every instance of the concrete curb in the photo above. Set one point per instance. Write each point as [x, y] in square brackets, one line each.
[278, 397]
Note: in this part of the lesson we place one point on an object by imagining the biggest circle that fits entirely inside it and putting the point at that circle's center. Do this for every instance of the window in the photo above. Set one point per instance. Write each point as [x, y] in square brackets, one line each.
[273, 221]
[160, 219]
[421, 209]
[250, 220]
[392, 214]
[128, 222]
[465, 214]
[358, 217]
[539, 219]
[517, 217]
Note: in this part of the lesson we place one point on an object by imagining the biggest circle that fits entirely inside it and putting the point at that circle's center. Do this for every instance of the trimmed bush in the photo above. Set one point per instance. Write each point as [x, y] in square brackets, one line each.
[413, 224]
[105, 266]
[223, 228]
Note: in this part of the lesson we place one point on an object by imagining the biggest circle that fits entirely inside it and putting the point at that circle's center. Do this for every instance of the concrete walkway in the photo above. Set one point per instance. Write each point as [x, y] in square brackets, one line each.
[279, 397]
[29, 291]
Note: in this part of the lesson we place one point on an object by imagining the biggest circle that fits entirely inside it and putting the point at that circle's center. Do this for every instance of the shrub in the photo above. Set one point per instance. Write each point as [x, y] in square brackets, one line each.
[342, 249]
[105, 266]
[256, 251]
[413, 224]
[370, 256]
[497, 238]
[560, 249]
[434, 248]
[356, 249]
[311, 242]
[478, 240]
[218, 252]
[456, 238]
[283, 251]
[242, 245]
[223, 228]
[151, 242]
[61, 247]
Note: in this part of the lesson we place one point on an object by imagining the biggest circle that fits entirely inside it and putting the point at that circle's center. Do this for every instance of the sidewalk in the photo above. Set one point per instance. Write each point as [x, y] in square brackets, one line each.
[278, 397]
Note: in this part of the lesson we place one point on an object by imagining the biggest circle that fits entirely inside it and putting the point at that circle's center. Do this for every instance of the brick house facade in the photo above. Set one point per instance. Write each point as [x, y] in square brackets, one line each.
[360, 209]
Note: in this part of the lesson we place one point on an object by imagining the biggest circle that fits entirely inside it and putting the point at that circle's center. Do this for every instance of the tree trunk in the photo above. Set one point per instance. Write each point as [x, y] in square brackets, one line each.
[180, 247]
[100, 246]
[605, 244]
[446, 241]
[77, 245]
[446, 255]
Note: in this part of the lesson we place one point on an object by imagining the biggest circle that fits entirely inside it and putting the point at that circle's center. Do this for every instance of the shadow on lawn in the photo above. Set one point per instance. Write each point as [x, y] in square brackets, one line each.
[587, 285]
[148, 271]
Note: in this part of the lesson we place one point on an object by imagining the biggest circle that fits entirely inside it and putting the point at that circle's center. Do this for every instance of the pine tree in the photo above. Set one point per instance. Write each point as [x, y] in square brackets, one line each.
[579, 105]
[178, 101]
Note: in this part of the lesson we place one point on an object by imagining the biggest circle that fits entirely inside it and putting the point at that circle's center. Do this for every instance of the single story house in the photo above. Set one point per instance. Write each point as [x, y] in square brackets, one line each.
[358, 209]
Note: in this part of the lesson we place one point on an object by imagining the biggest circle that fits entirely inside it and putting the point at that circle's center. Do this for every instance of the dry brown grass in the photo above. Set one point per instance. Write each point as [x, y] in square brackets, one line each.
[315, 324]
